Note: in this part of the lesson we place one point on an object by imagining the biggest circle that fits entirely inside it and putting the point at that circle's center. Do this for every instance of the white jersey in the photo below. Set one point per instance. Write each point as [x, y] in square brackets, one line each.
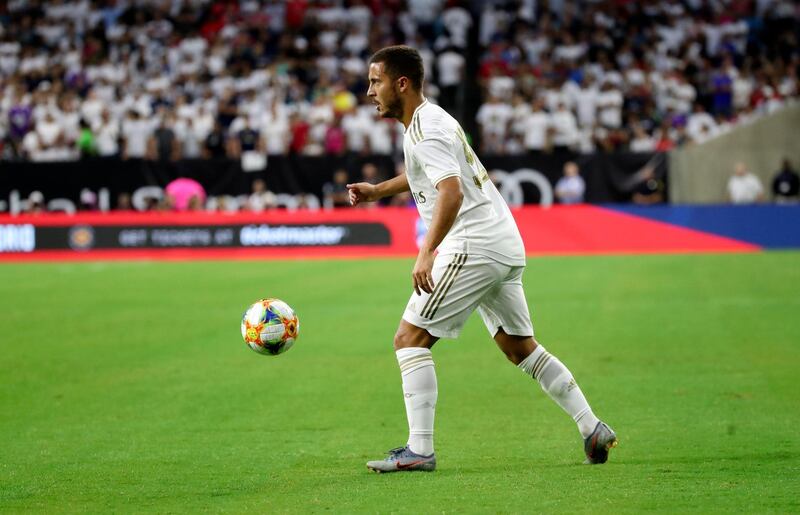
[435, 148]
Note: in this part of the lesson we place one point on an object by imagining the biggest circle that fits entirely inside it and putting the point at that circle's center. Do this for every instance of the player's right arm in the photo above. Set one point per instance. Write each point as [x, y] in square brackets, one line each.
[366, 192]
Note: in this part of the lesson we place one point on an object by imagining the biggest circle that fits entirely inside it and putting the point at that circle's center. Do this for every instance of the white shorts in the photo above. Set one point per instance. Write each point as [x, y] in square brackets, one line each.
[463, 283]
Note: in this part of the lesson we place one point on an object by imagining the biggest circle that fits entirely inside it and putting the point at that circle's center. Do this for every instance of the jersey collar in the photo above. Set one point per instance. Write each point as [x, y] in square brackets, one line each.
[423, 104]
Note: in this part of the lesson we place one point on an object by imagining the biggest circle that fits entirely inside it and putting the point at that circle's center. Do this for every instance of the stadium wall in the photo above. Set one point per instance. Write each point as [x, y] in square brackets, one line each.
[699, 173]
[529, 179]
[345, 233]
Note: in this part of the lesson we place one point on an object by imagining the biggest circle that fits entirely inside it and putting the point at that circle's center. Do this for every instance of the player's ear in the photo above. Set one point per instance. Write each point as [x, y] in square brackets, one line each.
[402, 83]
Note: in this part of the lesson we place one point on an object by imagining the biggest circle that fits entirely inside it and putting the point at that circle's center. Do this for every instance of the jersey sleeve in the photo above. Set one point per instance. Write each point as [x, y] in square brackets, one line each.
[435, 156]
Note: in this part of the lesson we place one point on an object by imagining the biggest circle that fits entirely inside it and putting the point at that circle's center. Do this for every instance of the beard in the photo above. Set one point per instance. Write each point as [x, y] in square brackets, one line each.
[394, 107]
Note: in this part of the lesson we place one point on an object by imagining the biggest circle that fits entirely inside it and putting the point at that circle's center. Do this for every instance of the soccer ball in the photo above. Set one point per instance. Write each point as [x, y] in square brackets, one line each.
[269, 326]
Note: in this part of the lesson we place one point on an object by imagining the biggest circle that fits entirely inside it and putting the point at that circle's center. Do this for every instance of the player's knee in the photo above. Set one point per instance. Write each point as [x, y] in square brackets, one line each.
[515, 348]
[405, 338]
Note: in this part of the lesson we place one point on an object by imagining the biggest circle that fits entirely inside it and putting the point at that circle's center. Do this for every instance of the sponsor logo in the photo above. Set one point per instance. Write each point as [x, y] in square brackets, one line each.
[510, 185]
[81, 237]
[270, 236]
[17, 238]
[401, 466]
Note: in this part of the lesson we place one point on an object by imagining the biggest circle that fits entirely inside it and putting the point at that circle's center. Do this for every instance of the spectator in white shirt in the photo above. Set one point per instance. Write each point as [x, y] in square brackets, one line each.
[92, 107]
[571, 187]
[681, 94]
[700, 126]
[565, 128]
[458, 21]
[136, 132]
[744, 187]
[189, 138]
[494, 118]
[380, 136]
[106, 131]
[586, 102]
[538, 126]
[356, 128]
[609, 106]
[641, 142]
[49, 131]
[450, 72]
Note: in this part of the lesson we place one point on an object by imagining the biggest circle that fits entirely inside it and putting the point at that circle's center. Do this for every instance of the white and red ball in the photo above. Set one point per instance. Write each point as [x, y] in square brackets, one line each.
[270, 326]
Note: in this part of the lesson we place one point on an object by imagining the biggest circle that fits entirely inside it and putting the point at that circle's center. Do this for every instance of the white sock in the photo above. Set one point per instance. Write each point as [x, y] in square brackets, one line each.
[557, 381]
[420, 393]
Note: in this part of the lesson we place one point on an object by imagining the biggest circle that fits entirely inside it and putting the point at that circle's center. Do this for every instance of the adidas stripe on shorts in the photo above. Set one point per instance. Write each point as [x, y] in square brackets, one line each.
[464, 283]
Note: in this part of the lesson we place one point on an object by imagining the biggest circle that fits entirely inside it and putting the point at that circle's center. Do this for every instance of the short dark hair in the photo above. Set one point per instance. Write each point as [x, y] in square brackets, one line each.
[401, 61]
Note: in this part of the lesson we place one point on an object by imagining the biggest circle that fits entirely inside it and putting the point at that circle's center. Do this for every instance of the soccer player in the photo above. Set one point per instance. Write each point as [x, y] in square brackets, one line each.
[479, 263]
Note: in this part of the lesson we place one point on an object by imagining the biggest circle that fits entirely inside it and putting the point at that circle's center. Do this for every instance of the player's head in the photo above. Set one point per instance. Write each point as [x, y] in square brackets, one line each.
[395, 72]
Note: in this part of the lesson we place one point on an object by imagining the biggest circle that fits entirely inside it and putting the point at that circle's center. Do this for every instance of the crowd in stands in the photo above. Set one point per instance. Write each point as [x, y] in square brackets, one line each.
[641, 76]
[153, 79]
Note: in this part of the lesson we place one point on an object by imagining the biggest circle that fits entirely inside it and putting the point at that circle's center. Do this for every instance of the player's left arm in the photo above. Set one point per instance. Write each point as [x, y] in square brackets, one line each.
[445, 211]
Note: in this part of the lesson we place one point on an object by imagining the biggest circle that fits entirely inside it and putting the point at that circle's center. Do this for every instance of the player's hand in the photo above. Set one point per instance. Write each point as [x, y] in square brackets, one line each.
[361, 192]
[422, 275]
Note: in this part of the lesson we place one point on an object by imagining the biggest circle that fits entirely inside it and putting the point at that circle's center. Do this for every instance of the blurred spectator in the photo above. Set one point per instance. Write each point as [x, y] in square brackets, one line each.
[494, 118]
[190, 138]
[701, 126]
[180, 191]
[35, 203]
[163, 144]
[450, 67]
[335, 138]
[744, 187]
[380, 137]
[565, 129]
[215, 145]
[371, 174]
[275, 128]
[786, 184]
[136, 133]
[335, 192]
[86, 143]
[650, 189]
[571, 187]
[537, 127]
[88, 200]
[107, 133]
[356, 125]
[261, 198]
[249, 146]
[124, 202]
[609, 103]
[641, 141]
[299, 134]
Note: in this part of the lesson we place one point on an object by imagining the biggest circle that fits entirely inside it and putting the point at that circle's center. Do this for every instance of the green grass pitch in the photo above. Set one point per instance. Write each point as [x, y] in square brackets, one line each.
[125, 387]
